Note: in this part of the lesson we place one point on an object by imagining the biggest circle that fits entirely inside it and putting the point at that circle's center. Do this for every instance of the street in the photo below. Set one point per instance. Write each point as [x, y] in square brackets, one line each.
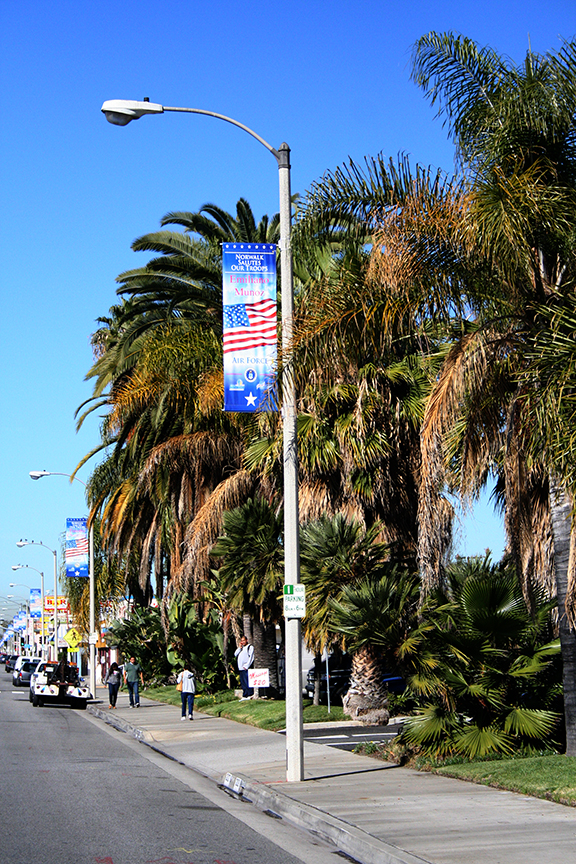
[348, 737]
[78, 792]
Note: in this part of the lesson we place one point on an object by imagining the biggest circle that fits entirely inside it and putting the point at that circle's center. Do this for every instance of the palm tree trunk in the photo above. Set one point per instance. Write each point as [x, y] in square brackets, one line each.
[264, 634]
[366, 699]
[561, 513]
[317, 677]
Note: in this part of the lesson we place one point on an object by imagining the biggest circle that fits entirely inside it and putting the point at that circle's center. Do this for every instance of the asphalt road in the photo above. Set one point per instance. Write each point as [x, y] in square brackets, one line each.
[348, 737]
[76, 792]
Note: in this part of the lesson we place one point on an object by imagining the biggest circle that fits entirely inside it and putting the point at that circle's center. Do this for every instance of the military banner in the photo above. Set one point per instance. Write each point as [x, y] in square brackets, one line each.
[76, 547]
[250, 337]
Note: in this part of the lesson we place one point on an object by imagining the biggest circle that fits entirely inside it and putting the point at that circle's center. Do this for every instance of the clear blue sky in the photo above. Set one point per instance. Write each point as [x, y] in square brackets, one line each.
[331, 79]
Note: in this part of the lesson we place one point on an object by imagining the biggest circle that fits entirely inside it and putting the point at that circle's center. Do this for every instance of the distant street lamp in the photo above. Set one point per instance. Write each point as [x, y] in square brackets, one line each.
[12, 584]
[36, 475]
[120, 112]
[21, 544]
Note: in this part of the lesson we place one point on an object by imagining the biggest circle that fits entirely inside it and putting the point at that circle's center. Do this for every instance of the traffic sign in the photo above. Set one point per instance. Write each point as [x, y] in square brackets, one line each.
[73, 638]
[294, 601]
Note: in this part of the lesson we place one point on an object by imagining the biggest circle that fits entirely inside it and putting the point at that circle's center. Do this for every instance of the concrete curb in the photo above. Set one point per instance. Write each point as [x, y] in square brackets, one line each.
[347, 838]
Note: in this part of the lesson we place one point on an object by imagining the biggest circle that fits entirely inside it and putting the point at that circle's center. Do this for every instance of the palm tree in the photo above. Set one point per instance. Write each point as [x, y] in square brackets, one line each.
[158, 370]
[375, 617]
[251, 574]
[494, 684]
[515, 133]
[339, 556]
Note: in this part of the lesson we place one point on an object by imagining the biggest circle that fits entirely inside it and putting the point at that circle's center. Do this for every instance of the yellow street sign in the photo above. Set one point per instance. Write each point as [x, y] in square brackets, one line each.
[73, 638]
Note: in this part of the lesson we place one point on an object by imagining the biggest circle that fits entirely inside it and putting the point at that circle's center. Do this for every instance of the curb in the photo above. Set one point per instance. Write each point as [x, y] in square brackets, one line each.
[347, 838]
[355, 843]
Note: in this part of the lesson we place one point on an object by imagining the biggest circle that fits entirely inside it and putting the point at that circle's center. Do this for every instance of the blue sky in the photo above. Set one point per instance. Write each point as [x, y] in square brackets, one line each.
[331, 79]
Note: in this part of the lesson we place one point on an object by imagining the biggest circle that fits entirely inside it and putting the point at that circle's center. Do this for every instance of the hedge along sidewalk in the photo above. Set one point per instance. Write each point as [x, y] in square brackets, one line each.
[267, 714]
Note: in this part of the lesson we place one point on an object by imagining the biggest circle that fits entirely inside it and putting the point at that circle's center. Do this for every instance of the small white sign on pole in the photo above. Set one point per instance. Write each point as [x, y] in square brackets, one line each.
[258, 678]
[294, 601]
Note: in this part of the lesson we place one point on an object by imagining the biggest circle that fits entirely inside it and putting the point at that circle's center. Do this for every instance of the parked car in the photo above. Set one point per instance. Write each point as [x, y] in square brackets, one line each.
[339, 666]
[339, 670]
[21, 677]
[9, 665]
[3, 657]
[23, 659]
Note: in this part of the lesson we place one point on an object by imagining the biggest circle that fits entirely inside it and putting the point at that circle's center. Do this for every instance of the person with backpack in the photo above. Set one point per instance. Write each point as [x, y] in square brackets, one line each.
[187, 686]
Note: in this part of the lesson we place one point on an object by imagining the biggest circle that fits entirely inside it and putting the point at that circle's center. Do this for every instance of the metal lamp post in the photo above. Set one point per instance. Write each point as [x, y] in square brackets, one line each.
[27, 567]
[120, 112]
[36, 475]
[21, 544]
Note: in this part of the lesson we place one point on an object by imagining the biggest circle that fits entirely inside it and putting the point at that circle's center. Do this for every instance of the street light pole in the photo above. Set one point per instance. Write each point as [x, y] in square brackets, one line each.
[27, 567]
[21, 544]
[120, 112]
[36, 475]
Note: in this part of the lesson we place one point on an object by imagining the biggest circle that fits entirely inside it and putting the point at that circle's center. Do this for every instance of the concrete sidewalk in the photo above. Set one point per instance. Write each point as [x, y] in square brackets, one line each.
[374, 812]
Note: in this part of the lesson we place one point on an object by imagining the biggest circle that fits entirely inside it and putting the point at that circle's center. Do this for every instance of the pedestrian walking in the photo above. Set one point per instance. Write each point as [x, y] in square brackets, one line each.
[132, 676]
[245, 657]
[187, 687]
[113, 680]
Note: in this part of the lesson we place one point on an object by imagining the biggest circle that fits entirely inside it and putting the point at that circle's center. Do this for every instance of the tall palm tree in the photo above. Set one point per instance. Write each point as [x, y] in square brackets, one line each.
[158, 370]
[515, 132]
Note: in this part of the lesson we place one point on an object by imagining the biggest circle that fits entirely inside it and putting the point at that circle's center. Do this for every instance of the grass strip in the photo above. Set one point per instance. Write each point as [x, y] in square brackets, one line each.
[263, 713]
[551, 777]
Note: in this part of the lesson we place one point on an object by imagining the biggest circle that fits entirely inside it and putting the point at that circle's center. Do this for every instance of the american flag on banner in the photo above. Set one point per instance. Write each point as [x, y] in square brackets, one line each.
[250, 325]
[76, 549]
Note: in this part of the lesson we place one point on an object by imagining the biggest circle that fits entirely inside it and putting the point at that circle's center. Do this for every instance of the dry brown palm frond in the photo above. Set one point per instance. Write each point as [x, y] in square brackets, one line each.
[204, 529]
[527, 515]
[317, 498]
[465, 364]
[211, 392]
[147, 552]
[414, 247]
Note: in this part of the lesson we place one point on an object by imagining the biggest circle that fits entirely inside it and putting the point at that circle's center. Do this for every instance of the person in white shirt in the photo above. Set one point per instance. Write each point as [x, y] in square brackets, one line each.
[186, 679]
[245, 657]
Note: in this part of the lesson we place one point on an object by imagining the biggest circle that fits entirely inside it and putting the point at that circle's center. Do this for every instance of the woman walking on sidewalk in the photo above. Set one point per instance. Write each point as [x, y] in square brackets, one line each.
[113, 679]
[187, 687]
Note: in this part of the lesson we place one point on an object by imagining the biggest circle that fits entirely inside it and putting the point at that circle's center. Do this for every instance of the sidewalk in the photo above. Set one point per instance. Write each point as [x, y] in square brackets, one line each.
[374, 812]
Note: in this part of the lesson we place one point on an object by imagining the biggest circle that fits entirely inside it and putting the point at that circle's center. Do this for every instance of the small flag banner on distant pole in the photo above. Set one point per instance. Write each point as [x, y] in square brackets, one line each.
[250, 337]
[76, 547]
[35, 603]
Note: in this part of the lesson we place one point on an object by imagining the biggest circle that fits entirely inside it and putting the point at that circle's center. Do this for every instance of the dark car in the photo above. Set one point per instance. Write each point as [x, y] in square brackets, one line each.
[339, 667]
[10, 661]
[21, 676]
[339, 671]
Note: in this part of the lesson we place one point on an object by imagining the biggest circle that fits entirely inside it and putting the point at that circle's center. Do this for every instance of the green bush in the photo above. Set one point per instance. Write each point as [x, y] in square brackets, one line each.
[484, 668]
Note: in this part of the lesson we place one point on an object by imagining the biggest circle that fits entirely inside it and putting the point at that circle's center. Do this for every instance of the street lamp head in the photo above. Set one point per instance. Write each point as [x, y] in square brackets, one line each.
[121, 111]
[22, 543]
[36, 475]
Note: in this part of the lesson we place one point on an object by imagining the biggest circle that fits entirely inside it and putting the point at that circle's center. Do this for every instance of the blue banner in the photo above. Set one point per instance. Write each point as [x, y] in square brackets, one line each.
[76, 547]
[250, 337]
[35, 603]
